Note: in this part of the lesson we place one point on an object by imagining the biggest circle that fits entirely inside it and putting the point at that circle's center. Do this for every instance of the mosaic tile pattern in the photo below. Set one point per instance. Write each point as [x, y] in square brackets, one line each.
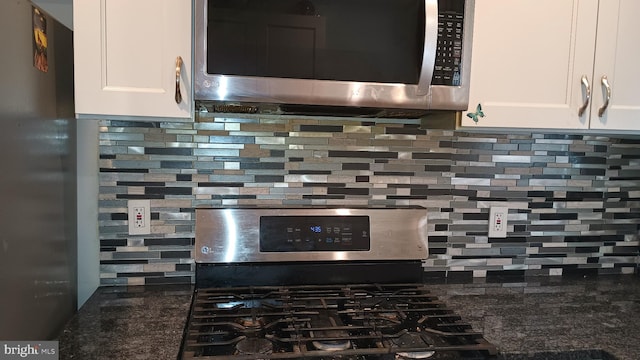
[574, 200]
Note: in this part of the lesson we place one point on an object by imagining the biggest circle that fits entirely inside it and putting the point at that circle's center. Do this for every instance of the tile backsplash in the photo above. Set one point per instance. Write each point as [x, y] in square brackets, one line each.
[574, 200]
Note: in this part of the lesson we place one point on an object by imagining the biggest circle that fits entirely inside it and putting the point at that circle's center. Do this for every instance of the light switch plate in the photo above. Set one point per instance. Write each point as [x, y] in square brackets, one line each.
[139, 217]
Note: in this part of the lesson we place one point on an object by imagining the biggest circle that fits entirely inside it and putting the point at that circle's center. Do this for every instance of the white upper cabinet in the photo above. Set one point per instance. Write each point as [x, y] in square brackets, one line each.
[133, 58]
[618, 58]
[533, 64]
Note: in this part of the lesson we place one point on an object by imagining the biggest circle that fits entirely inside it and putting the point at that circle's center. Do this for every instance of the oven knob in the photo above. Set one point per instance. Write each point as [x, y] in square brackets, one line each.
[205, 250]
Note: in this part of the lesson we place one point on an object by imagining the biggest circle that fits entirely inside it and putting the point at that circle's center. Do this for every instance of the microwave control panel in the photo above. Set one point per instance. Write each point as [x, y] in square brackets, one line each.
[448, 66]
[314, 233]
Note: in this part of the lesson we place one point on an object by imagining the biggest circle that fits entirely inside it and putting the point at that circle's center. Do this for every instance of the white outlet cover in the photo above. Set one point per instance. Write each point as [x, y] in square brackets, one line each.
[498, 222]
[142, 226]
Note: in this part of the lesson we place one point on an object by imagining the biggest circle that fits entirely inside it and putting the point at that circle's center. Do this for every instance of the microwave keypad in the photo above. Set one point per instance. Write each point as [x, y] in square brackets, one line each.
[449, 50]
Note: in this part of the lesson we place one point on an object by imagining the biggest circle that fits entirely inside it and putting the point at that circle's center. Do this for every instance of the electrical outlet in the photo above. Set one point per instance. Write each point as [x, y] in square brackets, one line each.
[498, 222]
[139, 217]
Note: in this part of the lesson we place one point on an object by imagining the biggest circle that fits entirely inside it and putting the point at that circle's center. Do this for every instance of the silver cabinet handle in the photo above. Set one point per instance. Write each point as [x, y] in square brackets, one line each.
[587, 88]
[178, 70]
[605, 83]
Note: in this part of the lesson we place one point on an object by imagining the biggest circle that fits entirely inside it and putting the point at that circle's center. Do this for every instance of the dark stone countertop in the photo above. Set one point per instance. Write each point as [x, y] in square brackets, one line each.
[128, 322]
[553, 315]
[549, 316]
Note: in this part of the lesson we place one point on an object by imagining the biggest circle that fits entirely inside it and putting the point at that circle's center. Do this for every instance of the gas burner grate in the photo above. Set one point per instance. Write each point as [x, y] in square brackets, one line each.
[398, 321]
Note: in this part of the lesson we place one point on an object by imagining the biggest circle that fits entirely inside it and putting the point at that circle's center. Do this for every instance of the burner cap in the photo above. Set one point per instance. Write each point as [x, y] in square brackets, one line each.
[332, 345]
[415, 355]
[254, 346]
[251, 322]
[412, 340]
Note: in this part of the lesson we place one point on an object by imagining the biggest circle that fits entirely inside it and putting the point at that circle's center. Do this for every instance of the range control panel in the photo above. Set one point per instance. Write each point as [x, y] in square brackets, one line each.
[314, 233]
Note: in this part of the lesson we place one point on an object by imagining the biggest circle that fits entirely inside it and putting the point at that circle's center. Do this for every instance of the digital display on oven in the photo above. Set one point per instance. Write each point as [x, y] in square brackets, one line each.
[314, 233]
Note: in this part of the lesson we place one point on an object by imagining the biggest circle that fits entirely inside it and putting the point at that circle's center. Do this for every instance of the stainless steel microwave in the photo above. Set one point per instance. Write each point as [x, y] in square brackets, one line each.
[301, 56]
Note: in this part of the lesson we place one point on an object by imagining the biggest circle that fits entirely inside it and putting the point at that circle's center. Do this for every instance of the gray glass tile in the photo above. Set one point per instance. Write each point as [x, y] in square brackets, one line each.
[542, 177]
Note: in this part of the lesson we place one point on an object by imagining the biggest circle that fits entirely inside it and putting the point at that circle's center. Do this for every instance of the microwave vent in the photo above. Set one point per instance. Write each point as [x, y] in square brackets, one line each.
[235, 108]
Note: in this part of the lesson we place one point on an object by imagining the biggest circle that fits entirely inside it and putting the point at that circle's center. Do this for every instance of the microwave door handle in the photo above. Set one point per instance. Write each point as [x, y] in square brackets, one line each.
[430, 46]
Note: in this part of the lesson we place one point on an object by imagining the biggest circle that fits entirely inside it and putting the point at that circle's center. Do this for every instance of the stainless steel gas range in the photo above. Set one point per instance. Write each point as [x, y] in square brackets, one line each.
[319, 284]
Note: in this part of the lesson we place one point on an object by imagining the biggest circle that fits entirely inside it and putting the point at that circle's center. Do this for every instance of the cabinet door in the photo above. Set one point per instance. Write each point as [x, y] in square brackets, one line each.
[617, 58]
[528, 60]
[126, 55]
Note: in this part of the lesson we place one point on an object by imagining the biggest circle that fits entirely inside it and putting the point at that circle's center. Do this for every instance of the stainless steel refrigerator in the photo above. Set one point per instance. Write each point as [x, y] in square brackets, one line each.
[38, 239]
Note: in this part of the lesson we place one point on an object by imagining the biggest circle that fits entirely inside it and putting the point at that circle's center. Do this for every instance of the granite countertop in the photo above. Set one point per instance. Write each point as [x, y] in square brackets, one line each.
[553, 314]
[549, 315]
[128, 322]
